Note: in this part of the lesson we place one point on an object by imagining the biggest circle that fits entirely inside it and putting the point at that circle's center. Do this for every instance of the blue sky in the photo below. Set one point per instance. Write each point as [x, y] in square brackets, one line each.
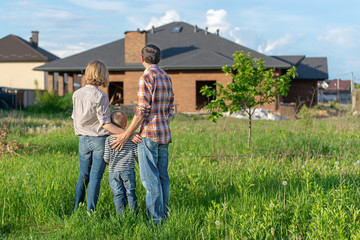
[316, 28]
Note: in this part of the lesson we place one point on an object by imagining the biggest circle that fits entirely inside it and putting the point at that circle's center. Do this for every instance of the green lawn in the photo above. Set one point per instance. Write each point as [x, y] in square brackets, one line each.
[300, 180]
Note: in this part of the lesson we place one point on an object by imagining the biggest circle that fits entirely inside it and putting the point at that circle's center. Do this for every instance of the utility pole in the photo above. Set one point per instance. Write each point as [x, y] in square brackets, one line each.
[352, 82]
[353, 93]
[337, 91]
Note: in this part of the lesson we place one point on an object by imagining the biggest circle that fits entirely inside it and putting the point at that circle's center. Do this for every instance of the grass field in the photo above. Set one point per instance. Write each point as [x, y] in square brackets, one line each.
[300, 180]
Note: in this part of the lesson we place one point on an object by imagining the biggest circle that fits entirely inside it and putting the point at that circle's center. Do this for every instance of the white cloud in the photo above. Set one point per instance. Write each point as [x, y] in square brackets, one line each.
[217, 19]
[277, 46]
[246, 37]
[115, 6]
[55, 14]
[342, 36]
[69, 49]
[170, 16]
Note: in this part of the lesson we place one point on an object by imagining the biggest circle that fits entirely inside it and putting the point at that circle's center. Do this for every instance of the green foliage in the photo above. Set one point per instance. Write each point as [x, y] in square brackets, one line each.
[49, 103]
[252, 85]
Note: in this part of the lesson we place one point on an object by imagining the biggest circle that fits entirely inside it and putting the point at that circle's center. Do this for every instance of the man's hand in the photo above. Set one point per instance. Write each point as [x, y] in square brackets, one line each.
[129, 133]
[121, 139]
[119, 142]
[136, 138]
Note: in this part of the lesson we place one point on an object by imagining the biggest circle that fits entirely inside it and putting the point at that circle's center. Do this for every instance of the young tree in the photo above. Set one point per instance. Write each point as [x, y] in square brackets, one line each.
[252, 86]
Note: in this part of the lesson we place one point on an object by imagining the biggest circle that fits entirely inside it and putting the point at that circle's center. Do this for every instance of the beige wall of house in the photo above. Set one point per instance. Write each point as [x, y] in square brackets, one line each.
[21, 75]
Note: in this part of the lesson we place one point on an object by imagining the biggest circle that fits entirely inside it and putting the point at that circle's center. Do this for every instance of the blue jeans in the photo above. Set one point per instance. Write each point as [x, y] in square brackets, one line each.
[92, 166]
[123, 186]
[153, 165]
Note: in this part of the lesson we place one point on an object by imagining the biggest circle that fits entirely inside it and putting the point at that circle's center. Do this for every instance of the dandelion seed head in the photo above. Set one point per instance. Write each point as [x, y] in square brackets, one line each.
[12, 177]
[284, 183]
[337, 163]
[303, 166]
[217, 223]
[272, 205]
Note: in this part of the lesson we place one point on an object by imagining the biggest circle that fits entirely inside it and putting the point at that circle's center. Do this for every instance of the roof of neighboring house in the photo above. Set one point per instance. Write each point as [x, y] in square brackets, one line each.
[16, 49]
[185, 49]
[308, 67]
[343, 85]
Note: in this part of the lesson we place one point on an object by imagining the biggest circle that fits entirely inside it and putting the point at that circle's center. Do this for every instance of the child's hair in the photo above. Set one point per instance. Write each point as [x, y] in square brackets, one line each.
[97, 74]
[151, 54]
[118, 118]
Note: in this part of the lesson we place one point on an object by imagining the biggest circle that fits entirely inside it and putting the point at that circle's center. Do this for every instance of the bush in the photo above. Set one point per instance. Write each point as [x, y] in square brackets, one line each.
[49, 103]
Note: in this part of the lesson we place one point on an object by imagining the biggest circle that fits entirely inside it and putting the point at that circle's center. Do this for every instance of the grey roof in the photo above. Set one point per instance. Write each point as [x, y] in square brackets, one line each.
[108, 53]
[180, 50]
[308, 67]
[16, 49]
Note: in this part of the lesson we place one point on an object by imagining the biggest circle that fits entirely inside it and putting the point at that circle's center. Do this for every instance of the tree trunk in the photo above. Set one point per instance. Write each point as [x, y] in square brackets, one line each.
[249, 137]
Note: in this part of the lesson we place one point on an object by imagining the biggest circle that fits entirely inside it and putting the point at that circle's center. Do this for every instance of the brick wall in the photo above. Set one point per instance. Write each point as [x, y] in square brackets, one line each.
[302, 92]
[184, 85]
[134, 42]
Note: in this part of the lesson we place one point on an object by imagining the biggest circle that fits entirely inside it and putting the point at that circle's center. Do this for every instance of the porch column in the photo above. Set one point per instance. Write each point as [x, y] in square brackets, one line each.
[61, 89]
[50, 82]
[70, 83]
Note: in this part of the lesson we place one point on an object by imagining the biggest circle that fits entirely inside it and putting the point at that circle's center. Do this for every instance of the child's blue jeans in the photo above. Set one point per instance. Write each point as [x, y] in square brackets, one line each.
[123, 184]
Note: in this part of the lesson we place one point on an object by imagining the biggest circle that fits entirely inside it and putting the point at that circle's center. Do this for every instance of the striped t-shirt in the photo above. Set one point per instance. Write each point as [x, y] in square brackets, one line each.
[120, 160]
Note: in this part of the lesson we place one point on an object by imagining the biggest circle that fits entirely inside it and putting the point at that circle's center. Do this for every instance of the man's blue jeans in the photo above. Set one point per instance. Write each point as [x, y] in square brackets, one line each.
[123, 186]
[92, 166]
[153, 166]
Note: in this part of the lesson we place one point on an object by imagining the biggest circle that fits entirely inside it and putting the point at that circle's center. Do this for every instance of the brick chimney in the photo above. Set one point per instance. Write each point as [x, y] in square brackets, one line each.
[34, 40]
[134, 43]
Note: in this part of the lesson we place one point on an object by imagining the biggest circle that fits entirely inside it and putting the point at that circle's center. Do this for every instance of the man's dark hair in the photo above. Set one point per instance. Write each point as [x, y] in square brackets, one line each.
[151, 54]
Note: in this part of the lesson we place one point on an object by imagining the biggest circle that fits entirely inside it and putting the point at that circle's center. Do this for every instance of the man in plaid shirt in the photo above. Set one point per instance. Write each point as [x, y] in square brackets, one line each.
[155, 102]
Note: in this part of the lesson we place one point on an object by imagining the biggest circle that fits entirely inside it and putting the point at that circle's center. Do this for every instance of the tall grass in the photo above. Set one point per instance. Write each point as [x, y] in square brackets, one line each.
[219, 189]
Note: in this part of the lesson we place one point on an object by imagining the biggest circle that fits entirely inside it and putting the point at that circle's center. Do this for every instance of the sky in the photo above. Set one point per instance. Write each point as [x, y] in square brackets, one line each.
[314, 28]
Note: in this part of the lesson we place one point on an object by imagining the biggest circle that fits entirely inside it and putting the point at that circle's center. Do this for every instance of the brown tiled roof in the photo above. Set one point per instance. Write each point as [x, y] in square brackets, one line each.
[16, 49]
[343, 85]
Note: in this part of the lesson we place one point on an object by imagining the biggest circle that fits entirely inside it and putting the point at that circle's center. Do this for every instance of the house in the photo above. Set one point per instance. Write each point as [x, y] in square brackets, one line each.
[303, 89]
[337, 90]
[18, 58]
[193, 57]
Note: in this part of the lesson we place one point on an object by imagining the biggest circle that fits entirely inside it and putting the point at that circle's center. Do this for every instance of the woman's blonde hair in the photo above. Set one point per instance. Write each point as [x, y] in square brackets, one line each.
[97, 74]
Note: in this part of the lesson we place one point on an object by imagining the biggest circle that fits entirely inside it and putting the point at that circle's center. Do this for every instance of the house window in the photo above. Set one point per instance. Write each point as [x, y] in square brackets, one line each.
[176, 29]
[116, 93]
[202, 101]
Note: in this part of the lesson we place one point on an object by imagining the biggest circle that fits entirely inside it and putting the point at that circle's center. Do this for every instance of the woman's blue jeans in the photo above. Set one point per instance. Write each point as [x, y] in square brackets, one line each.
[92, 166]
[153, 166]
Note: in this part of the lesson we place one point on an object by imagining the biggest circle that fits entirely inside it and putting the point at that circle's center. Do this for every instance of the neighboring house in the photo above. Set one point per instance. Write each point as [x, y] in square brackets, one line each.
[303, 89]
[18, 58]
[193, 57]
[337, 90]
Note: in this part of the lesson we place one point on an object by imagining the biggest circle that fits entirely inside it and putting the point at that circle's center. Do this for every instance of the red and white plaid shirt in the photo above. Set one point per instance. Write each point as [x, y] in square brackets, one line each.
[155, 104]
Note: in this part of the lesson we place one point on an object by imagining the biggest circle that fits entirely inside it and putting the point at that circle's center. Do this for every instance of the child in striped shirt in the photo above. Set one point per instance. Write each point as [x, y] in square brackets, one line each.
[121, 167]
